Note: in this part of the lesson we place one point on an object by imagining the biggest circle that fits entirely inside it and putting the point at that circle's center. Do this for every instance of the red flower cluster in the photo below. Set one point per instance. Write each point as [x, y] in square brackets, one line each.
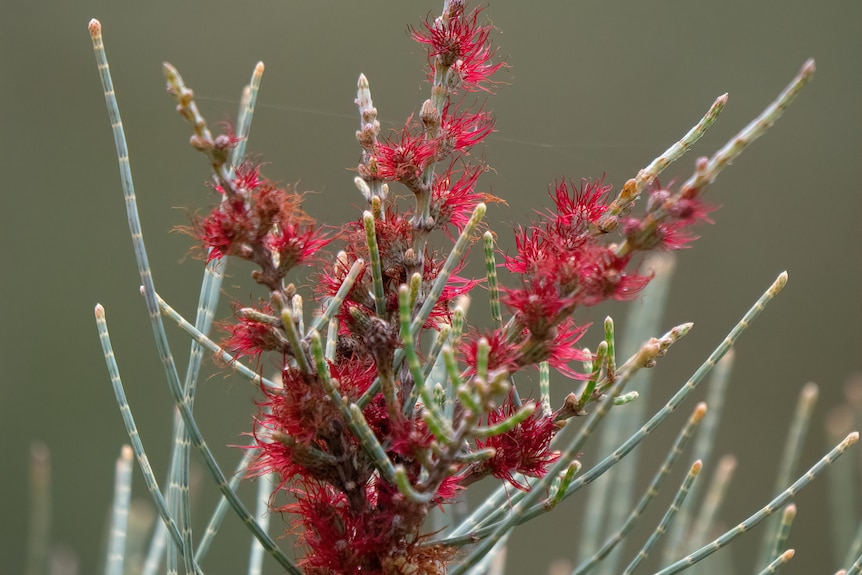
[525, 449]
[459, 44]
[263, 223]
[336, 415]
[565, 262]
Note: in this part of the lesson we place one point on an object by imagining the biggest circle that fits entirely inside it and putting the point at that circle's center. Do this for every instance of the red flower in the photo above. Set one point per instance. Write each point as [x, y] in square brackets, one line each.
[260, 215]
[452, 204]
[455, 287]
[250, 337]
[301, 408]
[562, 349]
[579, 207]
[530, 247]
[381, 538]
[295, 244]
[665, 225]
[502, 354]
[539, 304]
[461, 130]
[459, 43]
[405, 159]
[525, 449]
[645, 235]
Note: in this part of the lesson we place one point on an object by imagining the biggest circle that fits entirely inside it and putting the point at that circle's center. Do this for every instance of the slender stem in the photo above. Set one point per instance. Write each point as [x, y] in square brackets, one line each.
[120, 513]
[452, 261]
[757, 127]
[132, 430]
[706, 518]
[668, 517]
[545, 387]
[764, 512]
[491, 275]
[249, 453]
[39, 533]
[288, 320]
[790, 460]
[782, 559]
[376, 267]
[246, 113]
[681, 532]
[336, 302]
[650, 493]
[211, 346]
[437, 423]
[783, 532]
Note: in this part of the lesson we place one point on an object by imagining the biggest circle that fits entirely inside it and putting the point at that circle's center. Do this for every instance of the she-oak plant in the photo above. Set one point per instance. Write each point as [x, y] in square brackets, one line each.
[387, 407]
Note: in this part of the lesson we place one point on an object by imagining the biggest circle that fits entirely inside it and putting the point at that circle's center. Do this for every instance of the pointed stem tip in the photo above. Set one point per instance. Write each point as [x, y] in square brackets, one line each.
[95, 28]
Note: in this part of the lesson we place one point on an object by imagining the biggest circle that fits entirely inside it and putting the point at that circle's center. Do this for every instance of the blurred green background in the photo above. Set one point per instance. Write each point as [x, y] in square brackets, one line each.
[594, 88]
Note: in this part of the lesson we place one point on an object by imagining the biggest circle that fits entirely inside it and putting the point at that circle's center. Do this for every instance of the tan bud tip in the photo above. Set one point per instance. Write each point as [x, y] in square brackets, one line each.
[808, 68]
[95, 28]
[727, 464]
[100, 311]
[126, 453]
[699, 411]
[697, 466]
[722, 100]
[809, 392]
[788, 555]
[852, 438]
[258, 69]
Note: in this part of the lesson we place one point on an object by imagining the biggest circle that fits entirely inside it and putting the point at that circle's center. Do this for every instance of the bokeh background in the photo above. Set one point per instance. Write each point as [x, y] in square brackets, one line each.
[593, 88]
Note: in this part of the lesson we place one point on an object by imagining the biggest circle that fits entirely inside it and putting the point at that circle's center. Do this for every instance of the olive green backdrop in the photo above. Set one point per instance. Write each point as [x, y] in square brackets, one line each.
[594, 88]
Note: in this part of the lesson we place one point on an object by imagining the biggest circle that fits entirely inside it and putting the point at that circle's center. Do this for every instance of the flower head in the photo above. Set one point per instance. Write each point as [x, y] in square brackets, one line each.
[525, 449]
[404, 159]
[459, 44]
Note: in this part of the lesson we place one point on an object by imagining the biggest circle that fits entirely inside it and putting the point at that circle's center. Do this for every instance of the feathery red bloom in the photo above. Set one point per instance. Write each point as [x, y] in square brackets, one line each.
[562, 349]
[403, 160]
[502, 354]
[645, 235]
[295, 244]
[301, 409]
[539, 304]
[601, 275]
[382, 538]
[525, 449]
[580, 206]
[458, 42]
[461, 130]
[250, 337]
[529, 251]
[452, 204]
[665, 225]
[455, 287]
[260, 215]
